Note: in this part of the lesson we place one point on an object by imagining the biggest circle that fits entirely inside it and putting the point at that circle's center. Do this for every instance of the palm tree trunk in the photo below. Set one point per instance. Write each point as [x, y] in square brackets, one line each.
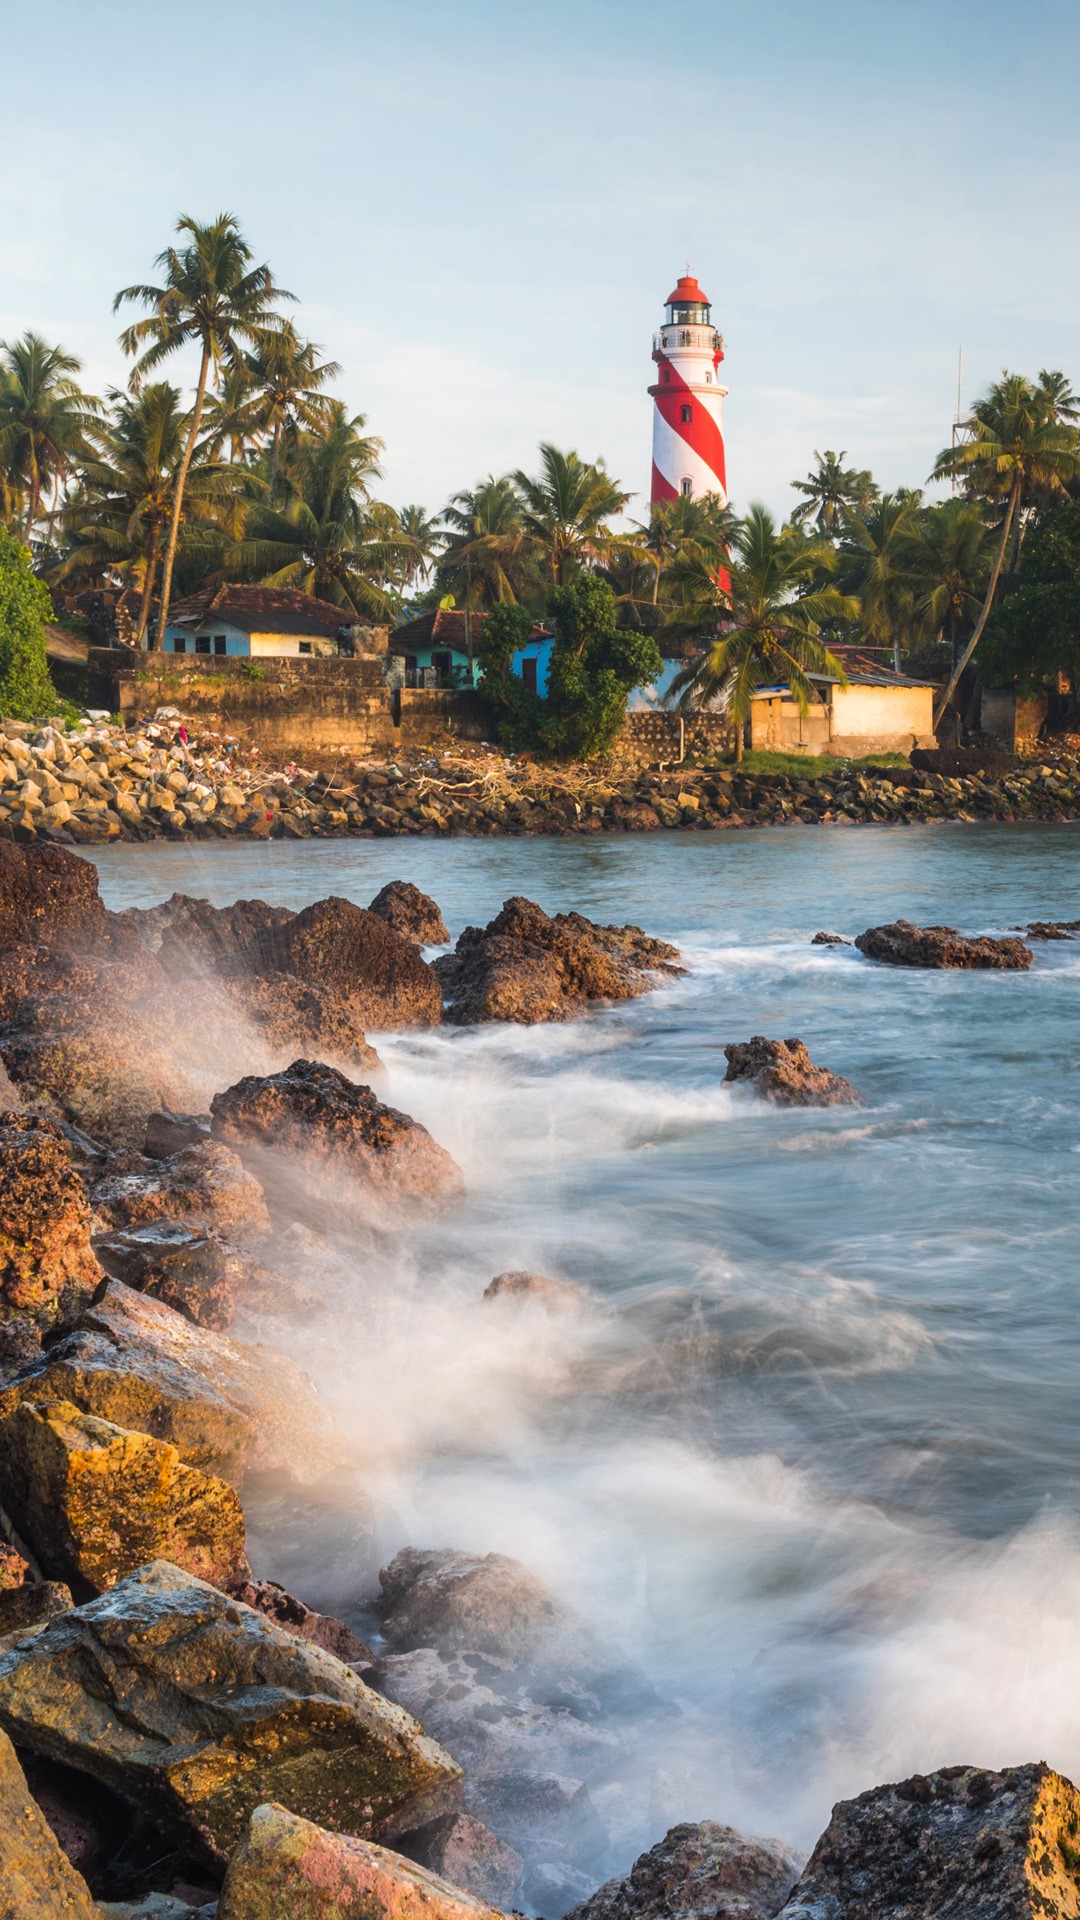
[178, 498]
[739, 730]
[32, 509]
[275, 455]
[147, 595]
[984, 613]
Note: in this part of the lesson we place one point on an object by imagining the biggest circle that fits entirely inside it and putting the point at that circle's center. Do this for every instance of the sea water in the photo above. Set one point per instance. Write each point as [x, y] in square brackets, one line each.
[809, 1450]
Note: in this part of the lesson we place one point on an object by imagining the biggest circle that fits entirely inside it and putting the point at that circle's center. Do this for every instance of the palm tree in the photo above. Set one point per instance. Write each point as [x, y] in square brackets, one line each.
[765, 625]
[486, 556]
[1017, 450]
[284, 382]
[1063, 404]
[871, 566]
[684, 526]
[565, 510]
[214, 299]
[832, 491]
[329, 538]
[943, 554]
[429, 538]
[46, 422]
[117, 519]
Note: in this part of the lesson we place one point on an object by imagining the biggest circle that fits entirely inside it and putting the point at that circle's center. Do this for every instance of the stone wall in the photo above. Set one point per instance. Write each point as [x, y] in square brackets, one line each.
[648, 739]
[1011, 717]
[434, 717]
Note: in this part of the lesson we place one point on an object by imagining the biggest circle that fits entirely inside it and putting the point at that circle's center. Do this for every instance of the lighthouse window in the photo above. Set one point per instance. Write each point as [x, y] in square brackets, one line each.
[685, 338]
[686, 413]
[687, 486]
[667, 375]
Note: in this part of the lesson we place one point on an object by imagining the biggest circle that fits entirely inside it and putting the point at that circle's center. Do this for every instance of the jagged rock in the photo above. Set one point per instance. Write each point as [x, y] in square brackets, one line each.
[411, 913]
[902, 945]
[452, 1601]
[829, 940]
[169, 1133]
[294, 1016]
[783, 1071]
[467, 1853]
[191, 934]
[194, 1273]
[96, 1501]
[1053, 929]
[13, 1568]
[92, 1056]
[27, 1606]
[292, 1616]
[37, 1880]
[558, 1296]
[198, 1756]
[552, 1886]
[702, 1872]
[48, 897]
[226, 1407]
[204, 1187]
[318, 1141]
[288, 1865]
[527, 967]
[547, 1817]
[348, 948]
[960, 1844]
[47, 1267]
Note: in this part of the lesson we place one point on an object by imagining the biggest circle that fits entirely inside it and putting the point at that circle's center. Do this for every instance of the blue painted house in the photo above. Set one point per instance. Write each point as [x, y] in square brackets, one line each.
[257, 622]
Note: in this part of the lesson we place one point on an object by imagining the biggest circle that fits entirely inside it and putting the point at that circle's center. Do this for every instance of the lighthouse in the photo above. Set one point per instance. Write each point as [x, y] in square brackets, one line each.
[688, 400]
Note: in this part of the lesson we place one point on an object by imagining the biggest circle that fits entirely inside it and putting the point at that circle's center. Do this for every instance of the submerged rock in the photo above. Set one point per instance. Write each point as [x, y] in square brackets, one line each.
[320, 1142]
[960, 1844]
[829, 940]
[411, 913]
[558, 1296]
[287, 1865]
[226, 1407]
[527, 967]
[783, 1071]
[95, 1501]
[231, 1711]
[488, 1603]
[902, 945]
[701, 1872]
[37, 1880]
[47, 1267]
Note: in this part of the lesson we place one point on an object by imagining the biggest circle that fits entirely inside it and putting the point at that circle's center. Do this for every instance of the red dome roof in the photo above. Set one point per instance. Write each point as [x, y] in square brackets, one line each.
[686, 292]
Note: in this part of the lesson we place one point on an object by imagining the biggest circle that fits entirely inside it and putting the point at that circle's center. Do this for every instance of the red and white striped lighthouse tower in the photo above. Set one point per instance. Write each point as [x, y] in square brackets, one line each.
[688, 429]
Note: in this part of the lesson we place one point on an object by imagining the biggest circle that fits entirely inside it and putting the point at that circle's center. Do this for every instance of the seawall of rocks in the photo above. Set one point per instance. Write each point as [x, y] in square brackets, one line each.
[101, 782]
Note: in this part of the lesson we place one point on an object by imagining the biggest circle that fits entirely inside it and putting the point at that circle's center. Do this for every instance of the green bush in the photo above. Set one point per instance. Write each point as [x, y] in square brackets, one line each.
[595, 665]
[26, 691]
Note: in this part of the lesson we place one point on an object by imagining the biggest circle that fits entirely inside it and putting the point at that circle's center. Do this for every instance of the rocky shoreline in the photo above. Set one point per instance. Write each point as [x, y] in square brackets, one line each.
[100, 782]
[188, 1095]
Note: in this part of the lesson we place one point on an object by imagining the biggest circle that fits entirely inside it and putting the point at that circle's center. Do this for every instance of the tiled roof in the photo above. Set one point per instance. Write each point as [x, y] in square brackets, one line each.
[864, 670]
[443, 628]
[261, 610]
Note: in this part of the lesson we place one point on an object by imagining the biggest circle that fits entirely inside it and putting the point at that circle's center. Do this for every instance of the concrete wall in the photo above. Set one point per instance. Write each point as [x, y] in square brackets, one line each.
[436, 717]
[857, 722]
[1013, 718]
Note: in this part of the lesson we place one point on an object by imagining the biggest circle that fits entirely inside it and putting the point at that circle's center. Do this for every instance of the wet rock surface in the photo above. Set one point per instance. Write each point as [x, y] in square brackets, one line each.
[435, 1597]
[700, 1872]
[286, 1864]
[47, 1267]
[96, 1501]
[37, 1880]
[960, 1844]
[411, 913]
[468, 1854]
[317, 1139]
[197, 1274]
[203, 1187]
[902, 945]
[226, 1407]
[292, 1616]
[557, 1296]
[354, 953]
[525, 966]
[27, 1606]
[48, 898]
[293, 1723]
[782, 1071]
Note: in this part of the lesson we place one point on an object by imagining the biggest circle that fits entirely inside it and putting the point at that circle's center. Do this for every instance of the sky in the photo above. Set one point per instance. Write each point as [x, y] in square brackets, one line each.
[481, 207]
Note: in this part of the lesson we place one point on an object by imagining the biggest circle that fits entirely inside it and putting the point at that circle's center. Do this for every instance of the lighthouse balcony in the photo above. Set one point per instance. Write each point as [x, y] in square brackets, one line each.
[701, 339]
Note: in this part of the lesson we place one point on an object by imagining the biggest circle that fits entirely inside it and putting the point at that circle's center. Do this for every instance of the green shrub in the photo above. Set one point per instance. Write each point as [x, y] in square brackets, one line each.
[26, 691]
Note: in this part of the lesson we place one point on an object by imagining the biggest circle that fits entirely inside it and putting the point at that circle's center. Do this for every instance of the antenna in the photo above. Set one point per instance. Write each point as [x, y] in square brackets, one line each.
[959, 426]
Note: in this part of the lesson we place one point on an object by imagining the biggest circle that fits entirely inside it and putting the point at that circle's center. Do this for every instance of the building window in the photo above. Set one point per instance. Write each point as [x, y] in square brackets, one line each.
[305, 646]
[687, 486]
[179, 646]
[708, 379]
[202, 643]
[686, 414]
[221, 645]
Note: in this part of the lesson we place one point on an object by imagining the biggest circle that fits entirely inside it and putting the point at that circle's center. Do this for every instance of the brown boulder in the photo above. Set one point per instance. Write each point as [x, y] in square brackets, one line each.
[293, 1016]
[527, 967]
[292, 1616]
[288, 1865]
[95, 1501]
[411, 913]
[961, 1844]
[353, 951]
[47, 1268]
[320, 1143]
[558, 1296]
[902, 945]
[195, 1709]
[48, 897]
[191, 934]
[202, 1188]
[29, 1606]
[37, 1880]
[702, 1872]
[783, 1071]
[464, 1851]
[486, 1603]
[13, 1568]
[195, 1273]
[226, 1407]
[96, 1055]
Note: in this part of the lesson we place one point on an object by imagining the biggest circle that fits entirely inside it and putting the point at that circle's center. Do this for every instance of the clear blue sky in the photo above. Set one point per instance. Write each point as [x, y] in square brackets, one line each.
[482, 206]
